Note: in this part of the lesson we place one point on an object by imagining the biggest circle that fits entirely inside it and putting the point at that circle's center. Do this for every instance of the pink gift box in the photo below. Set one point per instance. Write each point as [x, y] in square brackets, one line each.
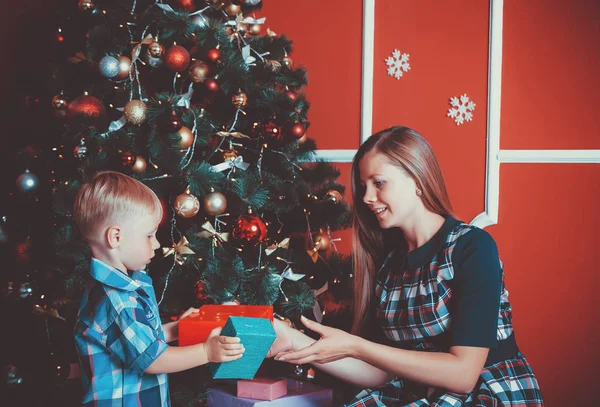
[262, 388]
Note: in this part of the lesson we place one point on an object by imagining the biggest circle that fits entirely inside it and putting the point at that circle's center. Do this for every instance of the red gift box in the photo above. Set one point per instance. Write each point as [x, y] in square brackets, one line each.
[262, 388]
[196, 327]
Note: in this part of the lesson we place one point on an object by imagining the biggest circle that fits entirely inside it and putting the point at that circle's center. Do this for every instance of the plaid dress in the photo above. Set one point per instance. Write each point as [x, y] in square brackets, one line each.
[414, 312]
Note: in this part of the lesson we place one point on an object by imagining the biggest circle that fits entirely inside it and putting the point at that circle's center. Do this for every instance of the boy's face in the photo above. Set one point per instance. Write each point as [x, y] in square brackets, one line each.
[138, 241]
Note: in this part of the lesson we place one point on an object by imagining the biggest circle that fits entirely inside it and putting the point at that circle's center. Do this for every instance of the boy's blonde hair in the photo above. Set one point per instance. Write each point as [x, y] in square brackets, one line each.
[111, 196]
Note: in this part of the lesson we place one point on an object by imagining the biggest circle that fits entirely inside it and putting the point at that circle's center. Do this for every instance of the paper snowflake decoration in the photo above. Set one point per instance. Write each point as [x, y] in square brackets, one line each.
[461, 110]
[397, 64]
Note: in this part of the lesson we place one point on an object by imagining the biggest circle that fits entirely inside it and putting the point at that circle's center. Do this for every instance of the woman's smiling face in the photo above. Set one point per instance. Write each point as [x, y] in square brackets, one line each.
[388, 190]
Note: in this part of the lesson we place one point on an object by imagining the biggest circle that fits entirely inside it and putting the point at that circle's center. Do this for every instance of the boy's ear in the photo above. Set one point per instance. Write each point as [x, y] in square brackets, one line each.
[113, 235]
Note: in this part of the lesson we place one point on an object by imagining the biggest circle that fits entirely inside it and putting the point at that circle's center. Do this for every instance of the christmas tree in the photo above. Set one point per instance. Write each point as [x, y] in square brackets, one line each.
[202, 102]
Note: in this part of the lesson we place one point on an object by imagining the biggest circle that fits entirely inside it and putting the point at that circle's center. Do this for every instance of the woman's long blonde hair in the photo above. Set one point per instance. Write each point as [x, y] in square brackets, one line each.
[407, 149]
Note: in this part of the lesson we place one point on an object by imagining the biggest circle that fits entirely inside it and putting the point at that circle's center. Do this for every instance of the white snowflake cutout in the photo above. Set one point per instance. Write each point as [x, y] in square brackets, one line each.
[461, 110]
[397, 64]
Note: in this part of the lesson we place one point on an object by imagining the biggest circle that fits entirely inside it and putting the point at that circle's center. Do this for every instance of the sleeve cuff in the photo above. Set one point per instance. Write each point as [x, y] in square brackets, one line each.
[152, 352]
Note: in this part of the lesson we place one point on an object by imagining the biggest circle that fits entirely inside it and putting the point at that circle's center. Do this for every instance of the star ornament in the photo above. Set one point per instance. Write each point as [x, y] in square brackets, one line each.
[179, 250]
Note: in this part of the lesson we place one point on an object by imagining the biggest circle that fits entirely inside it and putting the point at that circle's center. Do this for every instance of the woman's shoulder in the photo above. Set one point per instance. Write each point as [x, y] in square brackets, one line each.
[465, 233]
[466, 239]
[474, 250]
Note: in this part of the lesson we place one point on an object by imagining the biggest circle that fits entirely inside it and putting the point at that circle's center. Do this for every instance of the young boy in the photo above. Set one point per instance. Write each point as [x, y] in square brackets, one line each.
[121, 343]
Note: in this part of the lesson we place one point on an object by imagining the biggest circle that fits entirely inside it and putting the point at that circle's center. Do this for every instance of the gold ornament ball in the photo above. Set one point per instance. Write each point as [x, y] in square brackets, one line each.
[272, 66]
[333, 196]
[215, 203]
[239, 100]
[287, 62]
[85, 5]
[187, 138]
[186, 205]
[322, 241]
[232, 10]
[156, 50]
[254, 29]
[229, 155]
[140, 165]
[135, 112]
[124, 68]
[198, 71]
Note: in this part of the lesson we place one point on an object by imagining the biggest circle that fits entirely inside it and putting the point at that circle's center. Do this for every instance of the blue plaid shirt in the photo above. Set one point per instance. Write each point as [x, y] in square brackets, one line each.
[119, 334]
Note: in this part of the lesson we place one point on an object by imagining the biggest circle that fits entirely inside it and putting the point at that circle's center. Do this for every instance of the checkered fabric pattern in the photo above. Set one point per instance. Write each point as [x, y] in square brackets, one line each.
[414, 314]
[118, 335]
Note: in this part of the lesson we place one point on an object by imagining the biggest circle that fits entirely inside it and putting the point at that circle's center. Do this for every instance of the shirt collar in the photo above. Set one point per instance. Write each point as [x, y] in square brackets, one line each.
[423, 254]
[113, 277]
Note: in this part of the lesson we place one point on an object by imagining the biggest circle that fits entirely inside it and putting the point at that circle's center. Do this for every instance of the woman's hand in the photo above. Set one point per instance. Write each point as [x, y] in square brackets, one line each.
[334, 344]
[284, 341]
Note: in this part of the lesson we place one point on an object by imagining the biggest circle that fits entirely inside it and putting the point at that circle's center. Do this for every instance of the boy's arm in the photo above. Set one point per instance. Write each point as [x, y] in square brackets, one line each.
[171, 331]
[178, 358]
[215, 349]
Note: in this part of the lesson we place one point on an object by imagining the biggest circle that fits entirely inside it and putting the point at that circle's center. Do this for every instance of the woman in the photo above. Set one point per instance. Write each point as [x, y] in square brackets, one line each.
[430, 283]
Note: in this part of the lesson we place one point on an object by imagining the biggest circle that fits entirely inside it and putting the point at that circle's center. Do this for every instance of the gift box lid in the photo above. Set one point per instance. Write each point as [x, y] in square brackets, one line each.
[257, 335]
[214, 312]
[196, 327]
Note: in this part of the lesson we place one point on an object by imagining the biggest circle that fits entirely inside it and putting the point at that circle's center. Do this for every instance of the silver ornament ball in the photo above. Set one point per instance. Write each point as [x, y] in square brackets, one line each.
[80, 151]
[215, 203]
[109, 66]
[13, 378]
[299, 370]
[199, 21]
[27, 182]
[25, 290]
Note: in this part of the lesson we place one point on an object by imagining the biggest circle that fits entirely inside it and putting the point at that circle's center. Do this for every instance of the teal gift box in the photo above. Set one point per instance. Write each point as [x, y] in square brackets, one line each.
[257, 335]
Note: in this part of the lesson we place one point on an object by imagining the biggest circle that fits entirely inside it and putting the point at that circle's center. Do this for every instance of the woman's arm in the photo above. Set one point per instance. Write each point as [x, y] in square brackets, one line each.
[369, 364]
[351, 370]
[456, 371]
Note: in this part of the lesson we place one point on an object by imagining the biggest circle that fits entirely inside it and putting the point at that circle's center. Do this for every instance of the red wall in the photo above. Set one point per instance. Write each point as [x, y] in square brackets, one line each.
[548, 212]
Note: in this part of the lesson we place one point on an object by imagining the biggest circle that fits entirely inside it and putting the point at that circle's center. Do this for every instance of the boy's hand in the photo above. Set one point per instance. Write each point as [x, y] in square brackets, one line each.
[222, 348]
[188, 312]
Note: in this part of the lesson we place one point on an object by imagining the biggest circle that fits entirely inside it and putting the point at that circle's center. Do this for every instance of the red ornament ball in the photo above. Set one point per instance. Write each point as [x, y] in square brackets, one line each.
[298, 130]
[87, 107]
[250, 229]
[184, 5]
[177, 58]
[213, 54]
[211, 84]
[291, 95]
[172, 124]
[200, 288]
[23, 251]
[273, 131]
[127, 159]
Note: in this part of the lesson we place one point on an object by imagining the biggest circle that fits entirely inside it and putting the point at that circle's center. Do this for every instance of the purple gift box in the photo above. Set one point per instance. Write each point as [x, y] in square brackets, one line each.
[299, 394]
